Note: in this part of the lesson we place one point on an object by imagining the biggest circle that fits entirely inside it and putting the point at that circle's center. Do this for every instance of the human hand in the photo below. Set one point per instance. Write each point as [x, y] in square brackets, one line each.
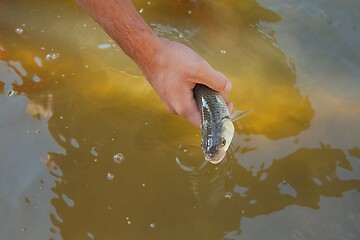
[172, 68]
[173, 73]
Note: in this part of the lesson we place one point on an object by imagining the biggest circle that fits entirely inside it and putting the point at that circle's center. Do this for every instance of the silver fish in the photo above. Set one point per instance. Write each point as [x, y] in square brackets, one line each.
[217, 129]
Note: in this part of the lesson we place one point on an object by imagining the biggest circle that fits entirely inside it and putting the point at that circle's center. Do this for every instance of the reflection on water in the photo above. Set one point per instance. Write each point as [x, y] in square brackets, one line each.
[113, 163]
[1, 87]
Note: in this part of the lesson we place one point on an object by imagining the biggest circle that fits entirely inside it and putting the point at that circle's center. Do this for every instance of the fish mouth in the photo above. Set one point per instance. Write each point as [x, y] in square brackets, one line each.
[216, 158]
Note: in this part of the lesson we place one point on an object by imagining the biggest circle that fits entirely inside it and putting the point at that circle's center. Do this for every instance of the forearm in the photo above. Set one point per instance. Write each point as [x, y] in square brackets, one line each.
[123, 23]
[172, 68]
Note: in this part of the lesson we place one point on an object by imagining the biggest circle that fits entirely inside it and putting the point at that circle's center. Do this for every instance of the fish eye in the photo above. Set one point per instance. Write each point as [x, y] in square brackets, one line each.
[222, 142]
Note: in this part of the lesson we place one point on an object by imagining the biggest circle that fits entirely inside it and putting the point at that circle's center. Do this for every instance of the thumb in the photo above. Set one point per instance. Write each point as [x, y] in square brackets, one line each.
[216, 81]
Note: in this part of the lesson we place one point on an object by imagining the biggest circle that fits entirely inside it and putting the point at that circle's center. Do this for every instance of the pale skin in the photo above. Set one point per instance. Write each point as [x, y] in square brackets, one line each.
[172, 68]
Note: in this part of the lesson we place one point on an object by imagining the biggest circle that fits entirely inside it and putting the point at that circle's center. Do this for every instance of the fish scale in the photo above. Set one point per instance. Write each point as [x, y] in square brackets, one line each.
[213, 112]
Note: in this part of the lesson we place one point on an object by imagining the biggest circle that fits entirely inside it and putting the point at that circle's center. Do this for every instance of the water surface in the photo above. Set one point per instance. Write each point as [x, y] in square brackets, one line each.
[88, 151]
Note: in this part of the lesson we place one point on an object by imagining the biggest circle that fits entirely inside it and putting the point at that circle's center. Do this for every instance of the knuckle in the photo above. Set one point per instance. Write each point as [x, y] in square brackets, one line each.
[170, 109]
[200, 69]
[182, 112]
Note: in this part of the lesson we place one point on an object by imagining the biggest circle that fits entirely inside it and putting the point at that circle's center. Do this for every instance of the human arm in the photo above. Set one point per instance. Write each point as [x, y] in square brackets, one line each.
[171, 68]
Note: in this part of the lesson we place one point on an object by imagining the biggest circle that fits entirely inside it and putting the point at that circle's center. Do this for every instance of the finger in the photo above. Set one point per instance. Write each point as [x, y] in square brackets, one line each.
[230, 106]
[224, 96]
[188, 109]
[194, 118]
[215, 80]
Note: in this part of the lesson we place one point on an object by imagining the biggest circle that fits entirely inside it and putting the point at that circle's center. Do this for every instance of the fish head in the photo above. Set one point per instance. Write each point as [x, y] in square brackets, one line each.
[217, 144]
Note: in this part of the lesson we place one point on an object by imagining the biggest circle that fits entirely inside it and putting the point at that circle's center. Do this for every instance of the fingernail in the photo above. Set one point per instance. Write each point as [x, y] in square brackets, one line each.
[228, 86]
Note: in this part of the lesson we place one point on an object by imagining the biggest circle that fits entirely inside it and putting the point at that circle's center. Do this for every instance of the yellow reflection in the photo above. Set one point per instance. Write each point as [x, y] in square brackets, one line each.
[355, 152]
[2, 86]
[279, 110]
[237, 39]
[3, 53]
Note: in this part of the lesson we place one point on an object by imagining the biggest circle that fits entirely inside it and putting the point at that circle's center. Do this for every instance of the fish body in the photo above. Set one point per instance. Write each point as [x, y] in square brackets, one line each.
[217, 129]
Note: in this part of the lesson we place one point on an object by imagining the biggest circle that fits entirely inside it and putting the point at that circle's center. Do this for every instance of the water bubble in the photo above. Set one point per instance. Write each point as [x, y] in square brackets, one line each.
[104, 45]
[52, 56]
[141, 10]
[118, 158]
[228, 195]
[181, 35]
[90, 235]
[12, 93]
[148, 2]
[94, 152]
[110, 176]
[189, 12]
[152, 225]
[19, 30]
[223, 51]
[190, 158]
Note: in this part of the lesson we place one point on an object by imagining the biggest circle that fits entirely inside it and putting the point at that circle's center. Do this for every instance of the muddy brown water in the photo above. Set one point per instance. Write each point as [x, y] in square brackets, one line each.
[88, 151]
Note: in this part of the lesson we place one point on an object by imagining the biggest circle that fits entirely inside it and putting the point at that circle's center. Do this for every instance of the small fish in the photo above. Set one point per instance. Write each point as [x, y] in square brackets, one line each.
[217, 129]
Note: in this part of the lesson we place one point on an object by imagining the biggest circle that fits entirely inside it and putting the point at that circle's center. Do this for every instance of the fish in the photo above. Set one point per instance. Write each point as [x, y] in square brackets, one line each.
[217, 128]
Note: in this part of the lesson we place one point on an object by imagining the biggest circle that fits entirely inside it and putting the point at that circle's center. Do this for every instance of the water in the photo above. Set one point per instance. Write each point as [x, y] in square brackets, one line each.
[118, 158]
[52, 56]
[292, 171]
